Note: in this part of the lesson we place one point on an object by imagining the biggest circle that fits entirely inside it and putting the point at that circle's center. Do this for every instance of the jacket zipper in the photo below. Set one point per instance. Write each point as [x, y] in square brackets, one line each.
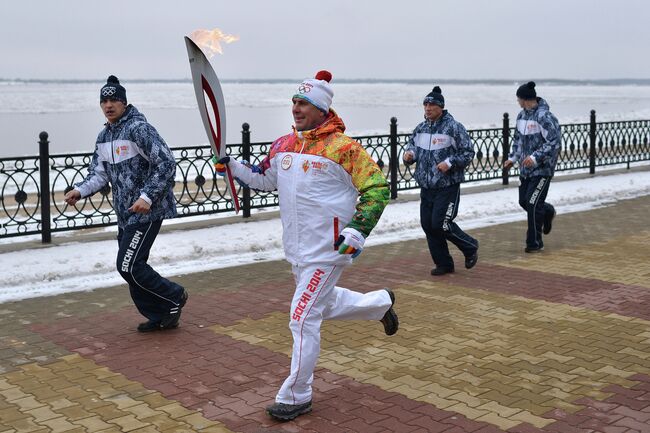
[294, 175]
[112, 148]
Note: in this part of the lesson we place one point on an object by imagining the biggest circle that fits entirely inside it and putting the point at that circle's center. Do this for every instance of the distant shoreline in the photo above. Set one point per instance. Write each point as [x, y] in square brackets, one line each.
[496, 82]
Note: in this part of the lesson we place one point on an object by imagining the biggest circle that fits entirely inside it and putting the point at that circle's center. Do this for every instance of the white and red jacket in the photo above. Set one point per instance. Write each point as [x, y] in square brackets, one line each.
[325, 181]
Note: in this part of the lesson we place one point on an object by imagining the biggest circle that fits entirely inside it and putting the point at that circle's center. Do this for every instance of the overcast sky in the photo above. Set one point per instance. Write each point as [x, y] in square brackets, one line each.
[520, 39]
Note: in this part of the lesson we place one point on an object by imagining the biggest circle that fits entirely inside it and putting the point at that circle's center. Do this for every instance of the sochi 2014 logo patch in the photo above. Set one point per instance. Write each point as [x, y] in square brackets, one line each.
[533, 128]
[316, 167]
[286, 162]
[108, 91]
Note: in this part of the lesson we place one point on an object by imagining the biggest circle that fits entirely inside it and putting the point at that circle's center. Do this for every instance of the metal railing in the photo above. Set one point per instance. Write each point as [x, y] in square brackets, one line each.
[25, 210]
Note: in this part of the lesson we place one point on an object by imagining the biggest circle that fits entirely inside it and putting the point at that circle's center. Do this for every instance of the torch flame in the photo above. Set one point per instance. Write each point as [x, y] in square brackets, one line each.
[210, 40]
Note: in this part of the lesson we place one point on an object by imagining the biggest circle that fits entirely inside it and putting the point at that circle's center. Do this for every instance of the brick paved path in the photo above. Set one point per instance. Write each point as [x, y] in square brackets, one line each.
[555, 342]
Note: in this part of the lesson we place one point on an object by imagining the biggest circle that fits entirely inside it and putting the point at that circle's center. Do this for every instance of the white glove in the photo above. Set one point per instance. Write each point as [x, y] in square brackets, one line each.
[350, 241]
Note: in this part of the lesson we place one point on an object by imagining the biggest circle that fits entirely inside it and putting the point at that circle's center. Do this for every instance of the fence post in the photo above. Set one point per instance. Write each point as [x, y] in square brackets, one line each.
[592, 142]
[394, 163]
[246, 156]
[505, 147]
[44, 168]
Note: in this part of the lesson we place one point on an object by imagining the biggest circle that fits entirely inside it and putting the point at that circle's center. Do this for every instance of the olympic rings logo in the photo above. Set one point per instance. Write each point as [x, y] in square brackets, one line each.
[305, 88]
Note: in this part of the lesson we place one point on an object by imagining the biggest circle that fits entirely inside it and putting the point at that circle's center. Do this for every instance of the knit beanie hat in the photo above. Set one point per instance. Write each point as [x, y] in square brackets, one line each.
[112, 90]
[317, 91]
[435, 97]
[527, 91]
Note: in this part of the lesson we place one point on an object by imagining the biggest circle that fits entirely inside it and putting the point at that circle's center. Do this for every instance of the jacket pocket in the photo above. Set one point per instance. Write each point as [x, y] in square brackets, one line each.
[336, 232]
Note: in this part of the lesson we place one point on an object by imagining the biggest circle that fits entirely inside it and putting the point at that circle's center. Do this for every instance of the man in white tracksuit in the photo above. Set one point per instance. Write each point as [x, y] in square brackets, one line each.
[331, 195]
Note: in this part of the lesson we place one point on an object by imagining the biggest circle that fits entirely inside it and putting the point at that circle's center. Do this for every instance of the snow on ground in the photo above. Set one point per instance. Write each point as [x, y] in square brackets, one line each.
[78, 266]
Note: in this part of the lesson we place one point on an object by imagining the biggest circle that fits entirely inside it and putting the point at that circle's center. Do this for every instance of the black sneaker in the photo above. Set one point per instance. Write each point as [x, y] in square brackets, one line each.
[390, 320]
[534, 250]
[548, 221]
[287, 412]
[170, 321]
[441, 270]
[470, 261]
[149, 326]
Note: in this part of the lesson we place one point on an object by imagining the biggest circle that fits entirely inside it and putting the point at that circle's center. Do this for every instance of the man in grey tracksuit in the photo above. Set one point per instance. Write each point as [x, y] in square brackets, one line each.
[140, 167]
[442, 149]
[536, 146]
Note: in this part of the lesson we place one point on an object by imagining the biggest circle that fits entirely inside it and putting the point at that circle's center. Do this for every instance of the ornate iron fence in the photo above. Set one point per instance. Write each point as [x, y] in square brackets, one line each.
[25, 210]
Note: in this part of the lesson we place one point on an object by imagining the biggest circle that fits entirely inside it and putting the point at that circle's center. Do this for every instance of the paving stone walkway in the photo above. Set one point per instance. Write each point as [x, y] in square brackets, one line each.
[551, 342]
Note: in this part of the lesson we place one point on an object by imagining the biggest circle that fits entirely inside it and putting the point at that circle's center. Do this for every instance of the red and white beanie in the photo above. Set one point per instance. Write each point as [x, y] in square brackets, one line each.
[317, 91]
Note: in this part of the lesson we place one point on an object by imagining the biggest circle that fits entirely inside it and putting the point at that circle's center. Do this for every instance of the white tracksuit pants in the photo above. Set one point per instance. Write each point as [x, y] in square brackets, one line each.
[317, 298]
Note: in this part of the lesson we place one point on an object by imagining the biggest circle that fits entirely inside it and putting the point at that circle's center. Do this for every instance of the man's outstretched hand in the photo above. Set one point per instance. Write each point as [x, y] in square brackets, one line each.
[72, 197]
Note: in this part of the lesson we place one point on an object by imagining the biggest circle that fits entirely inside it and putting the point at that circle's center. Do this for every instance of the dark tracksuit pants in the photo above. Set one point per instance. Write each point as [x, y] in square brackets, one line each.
[532, 198]
[154, 296]
[438, 208]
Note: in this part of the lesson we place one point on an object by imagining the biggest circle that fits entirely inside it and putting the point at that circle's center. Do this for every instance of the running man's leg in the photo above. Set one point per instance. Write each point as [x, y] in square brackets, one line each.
[314, 284]
[549, 212]
[464, 242]
[345, 304]
[154, 296]
[432, 215]
[535, 194]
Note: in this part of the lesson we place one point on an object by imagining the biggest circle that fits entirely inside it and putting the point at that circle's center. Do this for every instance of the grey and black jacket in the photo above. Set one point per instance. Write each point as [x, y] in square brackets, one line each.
[131, 155]
[537, 134]
[434, 142]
